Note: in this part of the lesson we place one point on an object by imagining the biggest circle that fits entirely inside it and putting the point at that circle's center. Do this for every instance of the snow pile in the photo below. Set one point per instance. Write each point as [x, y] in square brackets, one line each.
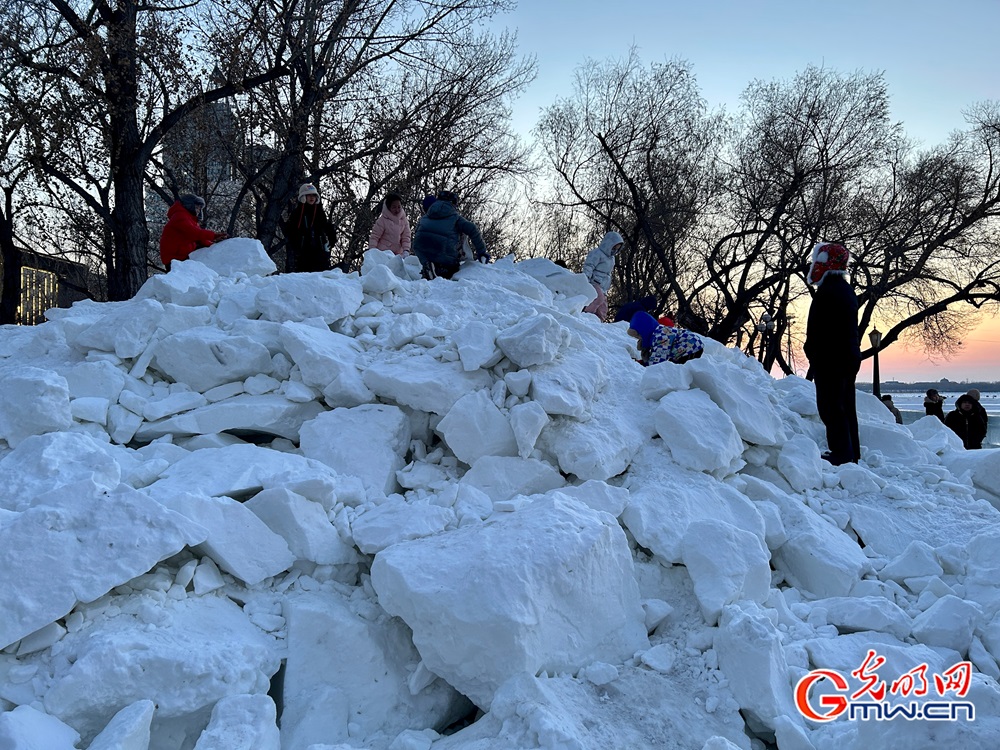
[380, 512]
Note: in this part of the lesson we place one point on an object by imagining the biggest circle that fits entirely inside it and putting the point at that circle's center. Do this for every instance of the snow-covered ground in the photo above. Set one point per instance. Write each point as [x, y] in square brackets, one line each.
[381, 512]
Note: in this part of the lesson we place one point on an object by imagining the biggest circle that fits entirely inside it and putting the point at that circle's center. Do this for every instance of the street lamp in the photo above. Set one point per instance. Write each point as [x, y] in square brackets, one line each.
[875, 336]
[765, 328]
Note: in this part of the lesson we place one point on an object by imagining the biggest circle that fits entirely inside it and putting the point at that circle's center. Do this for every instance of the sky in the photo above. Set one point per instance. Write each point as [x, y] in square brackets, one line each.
[938, 58]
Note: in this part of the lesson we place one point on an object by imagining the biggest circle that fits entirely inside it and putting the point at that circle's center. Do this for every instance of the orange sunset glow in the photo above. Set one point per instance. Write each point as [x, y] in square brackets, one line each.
[978, 360]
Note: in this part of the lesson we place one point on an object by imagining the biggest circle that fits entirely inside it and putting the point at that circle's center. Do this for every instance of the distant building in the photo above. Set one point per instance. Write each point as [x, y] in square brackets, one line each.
[208, 154]
[198, 151]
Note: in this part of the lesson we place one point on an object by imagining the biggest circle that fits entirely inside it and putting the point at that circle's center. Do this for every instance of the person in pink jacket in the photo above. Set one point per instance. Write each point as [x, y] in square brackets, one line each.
[392, 229]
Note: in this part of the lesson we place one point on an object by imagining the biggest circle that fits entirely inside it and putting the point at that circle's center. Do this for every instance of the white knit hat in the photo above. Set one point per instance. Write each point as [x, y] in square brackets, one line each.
[307, 189]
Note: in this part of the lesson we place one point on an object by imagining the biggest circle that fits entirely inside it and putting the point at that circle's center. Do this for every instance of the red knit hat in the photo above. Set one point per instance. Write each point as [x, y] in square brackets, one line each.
[828, 258]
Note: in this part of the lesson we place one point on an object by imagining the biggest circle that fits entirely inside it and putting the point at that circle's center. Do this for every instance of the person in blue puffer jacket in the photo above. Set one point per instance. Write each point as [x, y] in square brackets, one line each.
[659, 343]
[437, 241]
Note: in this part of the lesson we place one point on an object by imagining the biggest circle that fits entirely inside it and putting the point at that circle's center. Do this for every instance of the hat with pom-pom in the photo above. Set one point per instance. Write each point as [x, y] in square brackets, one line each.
[828, 258]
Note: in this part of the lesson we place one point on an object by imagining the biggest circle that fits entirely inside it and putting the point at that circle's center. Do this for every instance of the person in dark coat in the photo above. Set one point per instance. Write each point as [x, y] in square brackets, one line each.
[934, 404]
[966, 422]
[833, 348]
[896, 413]
[974, 393]
[437, 242]
[182, 234]
[309, 234]
[627, 310]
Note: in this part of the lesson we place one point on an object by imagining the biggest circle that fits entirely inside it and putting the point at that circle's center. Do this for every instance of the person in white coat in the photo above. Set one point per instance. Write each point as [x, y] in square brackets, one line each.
[598, 268]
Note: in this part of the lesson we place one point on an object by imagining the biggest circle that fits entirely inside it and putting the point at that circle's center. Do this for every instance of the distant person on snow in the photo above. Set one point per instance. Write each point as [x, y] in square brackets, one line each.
[662, 344]
[598, 268]
[934, 404]
[309, 234]
[646, 304]
[392, 229]
[887, 400]
[965, 422]
[834, 351]
[974, 393]
[437, 241]
[182, 234]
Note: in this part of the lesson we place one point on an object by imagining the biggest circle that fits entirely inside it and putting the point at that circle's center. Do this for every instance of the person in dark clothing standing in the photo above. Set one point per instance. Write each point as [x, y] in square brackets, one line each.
[980, 409]
[833, 348]
[309, 234]
[437, 242]
[966, 422]
[934, 404]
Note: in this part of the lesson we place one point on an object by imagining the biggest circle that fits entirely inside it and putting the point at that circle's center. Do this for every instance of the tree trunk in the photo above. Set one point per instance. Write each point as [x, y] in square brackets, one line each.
[128, 271]
[131, 236]
[284, 178]
[287, 170]
[10, 296]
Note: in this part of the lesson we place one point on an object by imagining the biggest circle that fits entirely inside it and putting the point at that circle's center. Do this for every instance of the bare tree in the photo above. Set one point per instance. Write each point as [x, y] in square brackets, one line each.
[444, 125]
[10, 257]
[719, 219]
[929, 249]
[368, 91]
[803, 152]
[13, 171]
[635, 149]
[110, 81]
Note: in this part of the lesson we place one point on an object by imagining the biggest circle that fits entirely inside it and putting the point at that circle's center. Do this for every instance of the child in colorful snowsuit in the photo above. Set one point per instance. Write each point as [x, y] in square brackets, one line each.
[662, 344]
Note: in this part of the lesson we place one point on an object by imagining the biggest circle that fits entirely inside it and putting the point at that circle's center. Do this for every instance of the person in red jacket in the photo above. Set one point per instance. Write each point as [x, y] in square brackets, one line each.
[183, 235]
